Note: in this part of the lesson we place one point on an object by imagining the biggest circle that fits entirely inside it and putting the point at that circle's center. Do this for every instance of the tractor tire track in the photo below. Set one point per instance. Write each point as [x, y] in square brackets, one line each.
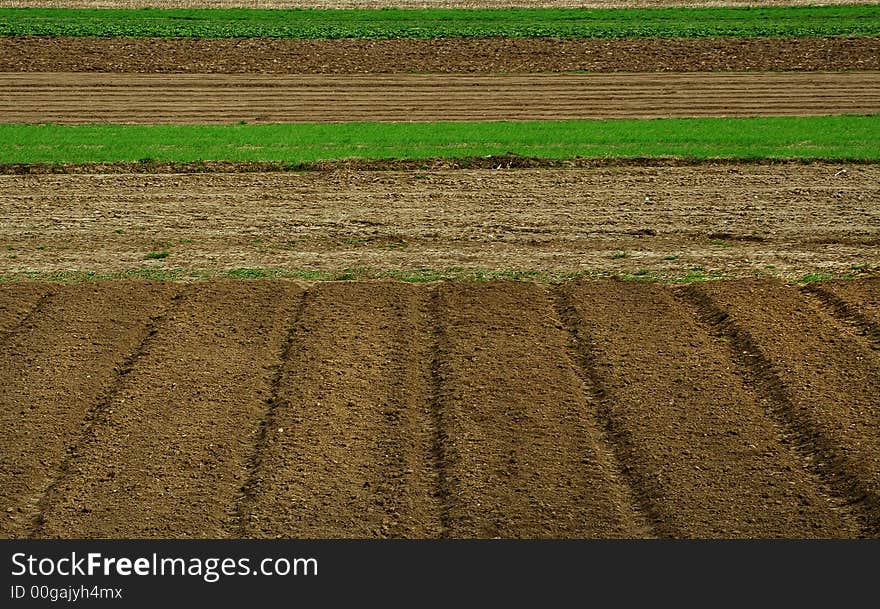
[523, 453]
[693, 436]
[52, 378]
[821, 385]
[350, 454]
[170, 454]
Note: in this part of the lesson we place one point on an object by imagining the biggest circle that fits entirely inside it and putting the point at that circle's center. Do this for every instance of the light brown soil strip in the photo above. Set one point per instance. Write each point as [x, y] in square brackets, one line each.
[819, 381]
[72, 98]
[524, 454]
[52, 377]
[694, 436]
[169, 456]
[455, 55]
[19, 305]
[350, 451]
[739, 219]
[855, 303]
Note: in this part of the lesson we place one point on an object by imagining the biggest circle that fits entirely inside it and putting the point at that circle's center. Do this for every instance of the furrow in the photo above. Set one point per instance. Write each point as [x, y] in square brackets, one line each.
[170, 454]
[612, 435]
[243, 503]
[20, 305]
[699, 448]
[438, 353]
[523, 452]
[854, 303]
[816, 382]
[350, 453]
[96, 415]
[53, 376]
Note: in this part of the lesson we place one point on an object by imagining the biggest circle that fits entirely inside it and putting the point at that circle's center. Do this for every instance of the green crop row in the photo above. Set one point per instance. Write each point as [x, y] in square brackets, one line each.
[849, 20]
[824, 137]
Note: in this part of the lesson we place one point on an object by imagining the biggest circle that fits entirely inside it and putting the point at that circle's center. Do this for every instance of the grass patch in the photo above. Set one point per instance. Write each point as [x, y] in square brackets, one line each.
[157, 255]
[852, 20]
[844, 137]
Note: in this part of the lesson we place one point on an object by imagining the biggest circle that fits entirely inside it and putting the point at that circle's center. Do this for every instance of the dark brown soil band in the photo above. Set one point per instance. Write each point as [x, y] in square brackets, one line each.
[353, 56]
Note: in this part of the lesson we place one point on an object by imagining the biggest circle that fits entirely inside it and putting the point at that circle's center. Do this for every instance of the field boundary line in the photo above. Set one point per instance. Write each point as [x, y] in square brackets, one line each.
[96, 415]
[846, 313]
[614, 441]
[819, 454]
[238, 525]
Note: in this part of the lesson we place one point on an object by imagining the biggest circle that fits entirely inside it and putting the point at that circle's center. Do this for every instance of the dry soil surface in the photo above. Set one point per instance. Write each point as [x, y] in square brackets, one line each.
[206, 98]
[787, 219]
[585, 409]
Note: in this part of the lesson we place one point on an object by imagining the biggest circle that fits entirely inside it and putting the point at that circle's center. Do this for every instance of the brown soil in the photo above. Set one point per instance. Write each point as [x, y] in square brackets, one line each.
[184, 98]
[493, 55]
[705, 445]
[348, 449]
[821, 377]
[58, 369]
[739, 219]
[596, 409]
[169, 446]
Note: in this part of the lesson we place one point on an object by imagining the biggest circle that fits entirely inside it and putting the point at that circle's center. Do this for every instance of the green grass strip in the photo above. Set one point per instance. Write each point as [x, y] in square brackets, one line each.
[822, 137]
[847, 20]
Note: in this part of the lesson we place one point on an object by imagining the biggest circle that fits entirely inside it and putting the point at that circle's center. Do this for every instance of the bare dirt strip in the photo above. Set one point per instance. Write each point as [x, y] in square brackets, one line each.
[588, 409]
[186, 98]
[457, 55]
[739, 219]
[856, 303]
[348, 449]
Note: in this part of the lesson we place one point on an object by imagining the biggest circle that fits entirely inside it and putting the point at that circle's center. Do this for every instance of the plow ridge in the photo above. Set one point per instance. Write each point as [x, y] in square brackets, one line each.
[819, 452]
[615, 438]
[96, 415]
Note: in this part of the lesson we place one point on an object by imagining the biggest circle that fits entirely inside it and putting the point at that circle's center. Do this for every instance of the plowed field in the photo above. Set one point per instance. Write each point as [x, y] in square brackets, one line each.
[457, 55]
[584, 409]
[786, 219]
[185, 98]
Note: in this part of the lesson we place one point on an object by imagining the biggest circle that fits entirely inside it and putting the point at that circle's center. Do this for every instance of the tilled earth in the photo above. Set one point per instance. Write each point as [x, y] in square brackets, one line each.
[455, 55]
[226, 98]
[737, 219]
[357, 409]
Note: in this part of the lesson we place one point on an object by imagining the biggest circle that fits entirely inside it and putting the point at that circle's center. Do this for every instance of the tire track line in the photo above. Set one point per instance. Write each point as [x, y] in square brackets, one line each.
[820, 453]
[26, 320]
[241, 508]
[51, 379]
[845, 312]
[615, 438]
[523, 453]
[96, 415]
[350, 448]
[440, 440]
